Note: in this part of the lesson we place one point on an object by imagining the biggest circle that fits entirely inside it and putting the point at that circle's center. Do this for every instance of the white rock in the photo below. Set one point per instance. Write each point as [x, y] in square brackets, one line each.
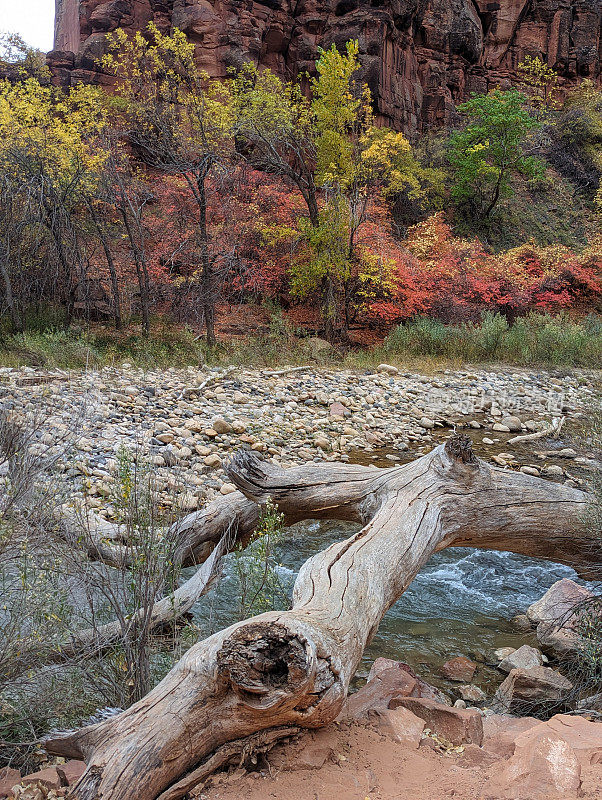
[503, 652]
[523, 658]
[526, 470]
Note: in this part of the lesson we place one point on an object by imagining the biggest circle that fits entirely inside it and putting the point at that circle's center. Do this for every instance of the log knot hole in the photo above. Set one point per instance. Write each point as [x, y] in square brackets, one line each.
[265, 658]
[459, 447]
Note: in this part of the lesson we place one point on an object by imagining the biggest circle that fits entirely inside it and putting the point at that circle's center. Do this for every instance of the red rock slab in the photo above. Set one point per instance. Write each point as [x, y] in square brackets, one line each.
[500, 732]
[584, 737]
[9, 777]
[47, 777]
[400, 725]
[547, 769]
[456, 725]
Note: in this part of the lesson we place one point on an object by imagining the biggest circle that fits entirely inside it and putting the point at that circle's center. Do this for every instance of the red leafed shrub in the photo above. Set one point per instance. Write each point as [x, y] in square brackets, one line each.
[266, 228]
[457, 279]
[256, 235]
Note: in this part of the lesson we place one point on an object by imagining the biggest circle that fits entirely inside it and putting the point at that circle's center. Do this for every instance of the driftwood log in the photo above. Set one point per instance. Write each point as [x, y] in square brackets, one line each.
[262, 679]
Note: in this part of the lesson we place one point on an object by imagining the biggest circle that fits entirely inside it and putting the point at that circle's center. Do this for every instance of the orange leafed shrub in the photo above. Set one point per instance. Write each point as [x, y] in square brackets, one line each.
[430, 273]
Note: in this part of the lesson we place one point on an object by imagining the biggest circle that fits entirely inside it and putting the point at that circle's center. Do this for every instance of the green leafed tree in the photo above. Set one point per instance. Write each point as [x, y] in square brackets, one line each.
[490, 150]
[329, 148]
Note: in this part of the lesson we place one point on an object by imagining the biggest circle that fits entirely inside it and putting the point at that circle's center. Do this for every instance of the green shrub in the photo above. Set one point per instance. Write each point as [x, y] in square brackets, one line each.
[534, 339]
[256, 566]
[422, 337]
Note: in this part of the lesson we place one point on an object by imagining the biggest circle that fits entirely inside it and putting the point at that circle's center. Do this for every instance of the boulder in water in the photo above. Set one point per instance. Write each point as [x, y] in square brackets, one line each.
[422, 688]
[558, 602]
[459, 669]
[387, 680]
[556, 615]
[472, 694]
[512, 423]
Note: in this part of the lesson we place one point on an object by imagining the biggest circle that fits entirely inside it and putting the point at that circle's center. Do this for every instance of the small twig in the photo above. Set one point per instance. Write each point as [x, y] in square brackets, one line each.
[36, 742]
[588, 712]
[276, 373]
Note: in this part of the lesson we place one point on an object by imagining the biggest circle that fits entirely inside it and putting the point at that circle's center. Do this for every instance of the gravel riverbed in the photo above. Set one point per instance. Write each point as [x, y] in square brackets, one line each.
[294, 416]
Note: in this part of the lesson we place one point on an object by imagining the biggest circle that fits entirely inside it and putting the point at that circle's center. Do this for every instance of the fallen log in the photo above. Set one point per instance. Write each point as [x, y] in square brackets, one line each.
[215, 378]
[291, 669]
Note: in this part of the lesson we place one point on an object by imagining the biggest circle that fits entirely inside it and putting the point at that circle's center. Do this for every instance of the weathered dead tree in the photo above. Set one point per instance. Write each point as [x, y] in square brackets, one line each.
[260, 679]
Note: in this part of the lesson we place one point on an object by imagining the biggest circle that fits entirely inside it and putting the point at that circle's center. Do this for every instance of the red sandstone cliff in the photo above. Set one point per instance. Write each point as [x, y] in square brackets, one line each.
[420, 57]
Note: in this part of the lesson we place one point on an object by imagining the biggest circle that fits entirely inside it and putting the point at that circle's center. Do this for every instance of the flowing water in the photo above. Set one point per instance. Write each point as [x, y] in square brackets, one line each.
[461, 603]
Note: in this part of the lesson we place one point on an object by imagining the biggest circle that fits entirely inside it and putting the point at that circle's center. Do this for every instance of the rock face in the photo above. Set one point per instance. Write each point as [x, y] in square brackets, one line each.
[420, 57]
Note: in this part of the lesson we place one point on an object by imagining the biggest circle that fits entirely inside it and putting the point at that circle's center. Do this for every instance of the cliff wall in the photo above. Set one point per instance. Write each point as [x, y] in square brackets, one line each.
[420, 57]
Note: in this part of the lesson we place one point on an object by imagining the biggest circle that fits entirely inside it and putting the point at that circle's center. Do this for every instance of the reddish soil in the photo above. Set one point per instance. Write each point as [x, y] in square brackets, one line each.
[238, 321]
[361, 763]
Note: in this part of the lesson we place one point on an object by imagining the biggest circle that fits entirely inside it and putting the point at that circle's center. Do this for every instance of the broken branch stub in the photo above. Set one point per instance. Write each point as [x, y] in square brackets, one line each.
[293, 668]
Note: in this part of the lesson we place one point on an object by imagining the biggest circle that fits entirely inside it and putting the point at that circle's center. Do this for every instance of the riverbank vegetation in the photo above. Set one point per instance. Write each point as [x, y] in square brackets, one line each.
[424, 343]
[177, 198]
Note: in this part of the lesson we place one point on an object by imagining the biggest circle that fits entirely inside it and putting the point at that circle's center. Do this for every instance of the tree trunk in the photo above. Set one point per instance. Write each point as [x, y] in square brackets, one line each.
[9, 297]
[104, 240]
[50, 221]
[206, 271]
[310, 196]
[141, 268]
[496, 194]
[293, 668]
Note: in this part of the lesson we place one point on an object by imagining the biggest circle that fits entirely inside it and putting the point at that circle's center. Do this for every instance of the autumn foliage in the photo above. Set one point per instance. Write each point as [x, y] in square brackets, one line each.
[178, 193]
[455, 279]
[429, 273]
